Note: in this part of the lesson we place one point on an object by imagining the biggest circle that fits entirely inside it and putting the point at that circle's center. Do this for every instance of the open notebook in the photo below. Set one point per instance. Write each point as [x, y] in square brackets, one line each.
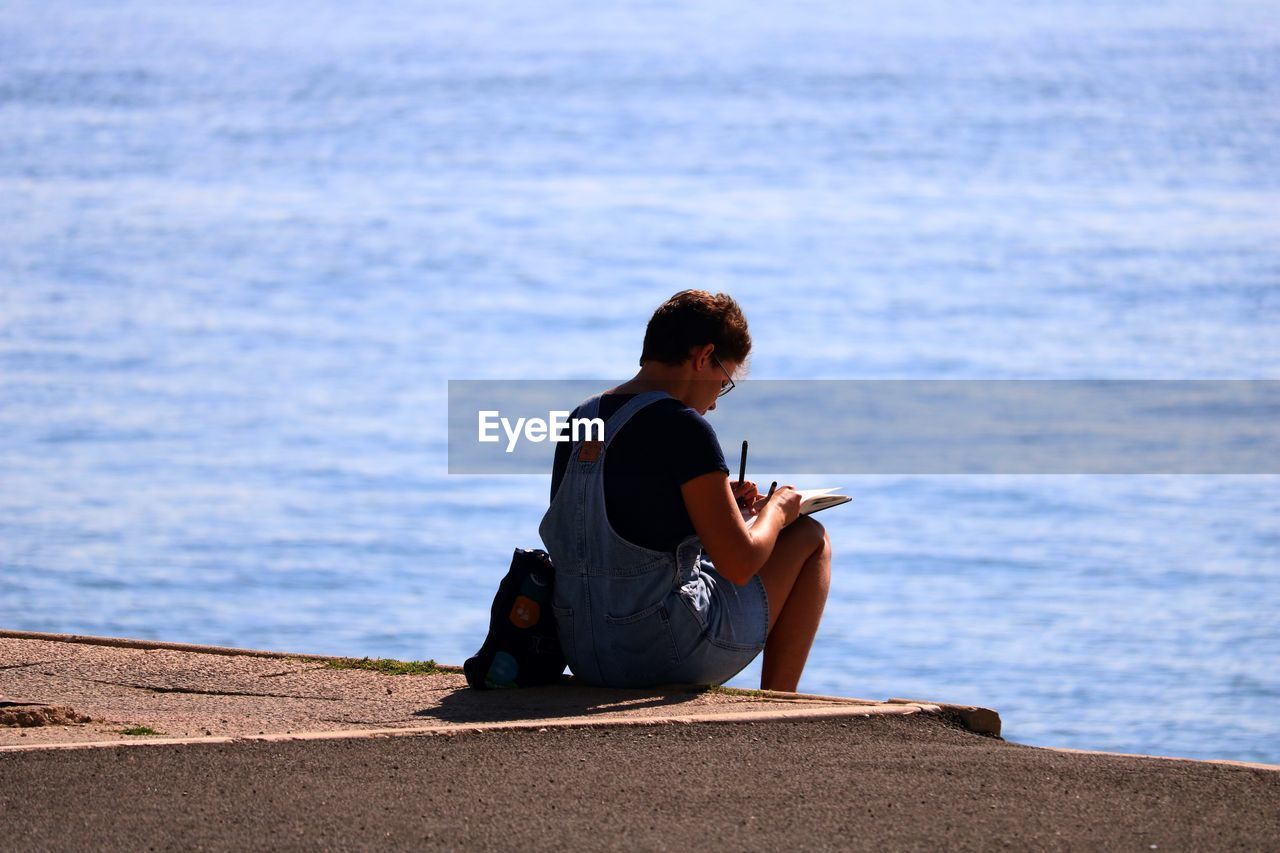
[815, 500]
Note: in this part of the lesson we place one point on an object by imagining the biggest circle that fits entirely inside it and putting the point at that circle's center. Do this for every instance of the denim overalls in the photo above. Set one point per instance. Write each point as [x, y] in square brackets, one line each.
[629, 616]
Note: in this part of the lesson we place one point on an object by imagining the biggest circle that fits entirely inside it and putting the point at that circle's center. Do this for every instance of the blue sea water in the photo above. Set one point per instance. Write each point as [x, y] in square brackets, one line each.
[243, 247]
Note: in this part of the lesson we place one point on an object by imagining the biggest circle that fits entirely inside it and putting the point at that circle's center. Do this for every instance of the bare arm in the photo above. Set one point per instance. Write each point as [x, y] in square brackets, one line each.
[738, 551]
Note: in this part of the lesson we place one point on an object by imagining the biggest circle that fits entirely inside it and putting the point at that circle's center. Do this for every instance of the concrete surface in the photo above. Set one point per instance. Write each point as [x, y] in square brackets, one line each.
[877, 783]
[186, 694]
[267, 750]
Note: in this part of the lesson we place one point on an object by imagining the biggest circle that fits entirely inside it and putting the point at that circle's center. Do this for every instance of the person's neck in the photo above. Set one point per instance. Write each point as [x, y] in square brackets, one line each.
[654, 376]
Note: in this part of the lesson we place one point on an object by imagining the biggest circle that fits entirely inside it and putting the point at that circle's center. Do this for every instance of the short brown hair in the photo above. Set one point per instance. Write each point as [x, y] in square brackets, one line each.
[694, 318]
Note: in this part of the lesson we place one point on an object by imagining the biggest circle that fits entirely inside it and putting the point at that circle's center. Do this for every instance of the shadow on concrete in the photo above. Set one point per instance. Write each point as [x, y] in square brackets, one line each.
[567, 699]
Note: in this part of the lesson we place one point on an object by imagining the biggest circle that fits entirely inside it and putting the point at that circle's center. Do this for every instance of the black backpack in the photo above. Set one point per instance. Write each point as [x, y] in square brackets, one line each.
[522, 649]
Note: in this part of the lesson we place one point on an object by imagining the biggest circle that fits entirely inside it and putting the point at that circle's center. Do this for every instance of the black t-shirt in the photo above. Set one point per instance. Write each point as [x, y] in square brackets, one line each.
[661, 448]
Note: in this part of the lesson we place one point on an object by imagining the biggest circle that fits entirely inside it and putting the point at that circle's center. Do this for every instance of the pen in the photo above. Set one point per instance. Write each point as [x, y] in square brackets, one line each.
[742, 468]
[772, 486]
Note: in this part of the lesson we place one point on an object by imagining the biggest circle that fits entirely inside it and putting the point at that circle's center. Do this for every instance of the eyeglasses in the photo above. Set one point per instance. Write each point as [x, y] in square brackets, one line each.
[724, 388]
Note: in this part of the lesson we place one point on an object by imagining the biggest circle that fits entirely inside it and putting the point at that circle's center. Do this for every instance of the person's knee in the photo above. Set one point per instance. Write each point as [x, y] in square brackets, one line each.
[813, 533]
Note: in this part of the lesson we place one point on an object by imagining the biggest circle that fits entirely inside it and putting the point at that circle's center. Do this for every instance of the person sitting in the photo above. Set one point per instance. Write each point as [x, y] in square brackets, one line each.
[659, 578]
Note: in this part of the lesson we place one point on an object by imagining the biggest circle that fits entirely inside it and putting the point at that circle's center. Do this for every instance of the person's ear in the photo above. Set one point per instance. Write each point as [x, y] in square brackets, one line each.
[702, 355]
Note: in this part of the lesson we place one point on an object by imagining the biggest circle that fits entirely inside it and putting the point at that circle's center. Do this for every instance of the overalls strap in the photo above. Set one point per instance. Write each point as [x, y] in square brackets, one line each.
[629, 408]
[589, 451]
[590, 407]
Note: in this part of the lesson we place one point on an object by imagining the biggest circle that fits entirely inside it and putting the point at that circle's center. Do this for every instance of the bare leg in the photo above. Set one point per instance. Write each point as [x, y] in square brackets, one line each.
[796, 577]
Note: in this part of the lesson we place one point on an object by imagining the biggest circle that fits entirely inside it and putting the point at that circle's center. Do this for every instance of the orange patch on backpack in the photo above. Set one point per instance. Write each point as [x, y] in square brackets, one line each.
[524, 612]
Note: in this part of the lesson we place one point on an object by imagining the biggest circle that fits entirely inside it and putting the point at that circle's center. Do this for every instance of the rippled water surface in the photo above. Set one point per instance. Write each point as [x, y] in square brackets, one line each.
[242, 248]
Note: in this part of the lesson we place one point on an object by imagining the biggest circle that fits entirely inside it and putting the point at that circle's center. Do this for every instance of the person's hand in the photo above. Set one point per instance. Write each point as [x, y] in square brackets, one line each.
[746, 494]
[788, 501]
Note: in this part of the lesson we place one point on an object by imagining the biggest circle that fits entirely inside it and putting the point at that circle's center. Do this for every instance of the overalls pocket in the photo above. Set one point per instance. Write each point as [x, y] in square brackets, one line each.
[661, 607]
[640, 645]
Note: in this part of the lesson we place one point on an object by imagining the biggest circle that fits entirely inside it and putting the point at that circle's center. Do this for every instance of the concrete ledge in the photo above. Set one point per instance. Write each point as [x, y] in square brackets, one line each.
[1252, 765]
[156, 693]
[983, 721]
[779, 715]
[902, 781]
[194, 648]
[174, 686]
